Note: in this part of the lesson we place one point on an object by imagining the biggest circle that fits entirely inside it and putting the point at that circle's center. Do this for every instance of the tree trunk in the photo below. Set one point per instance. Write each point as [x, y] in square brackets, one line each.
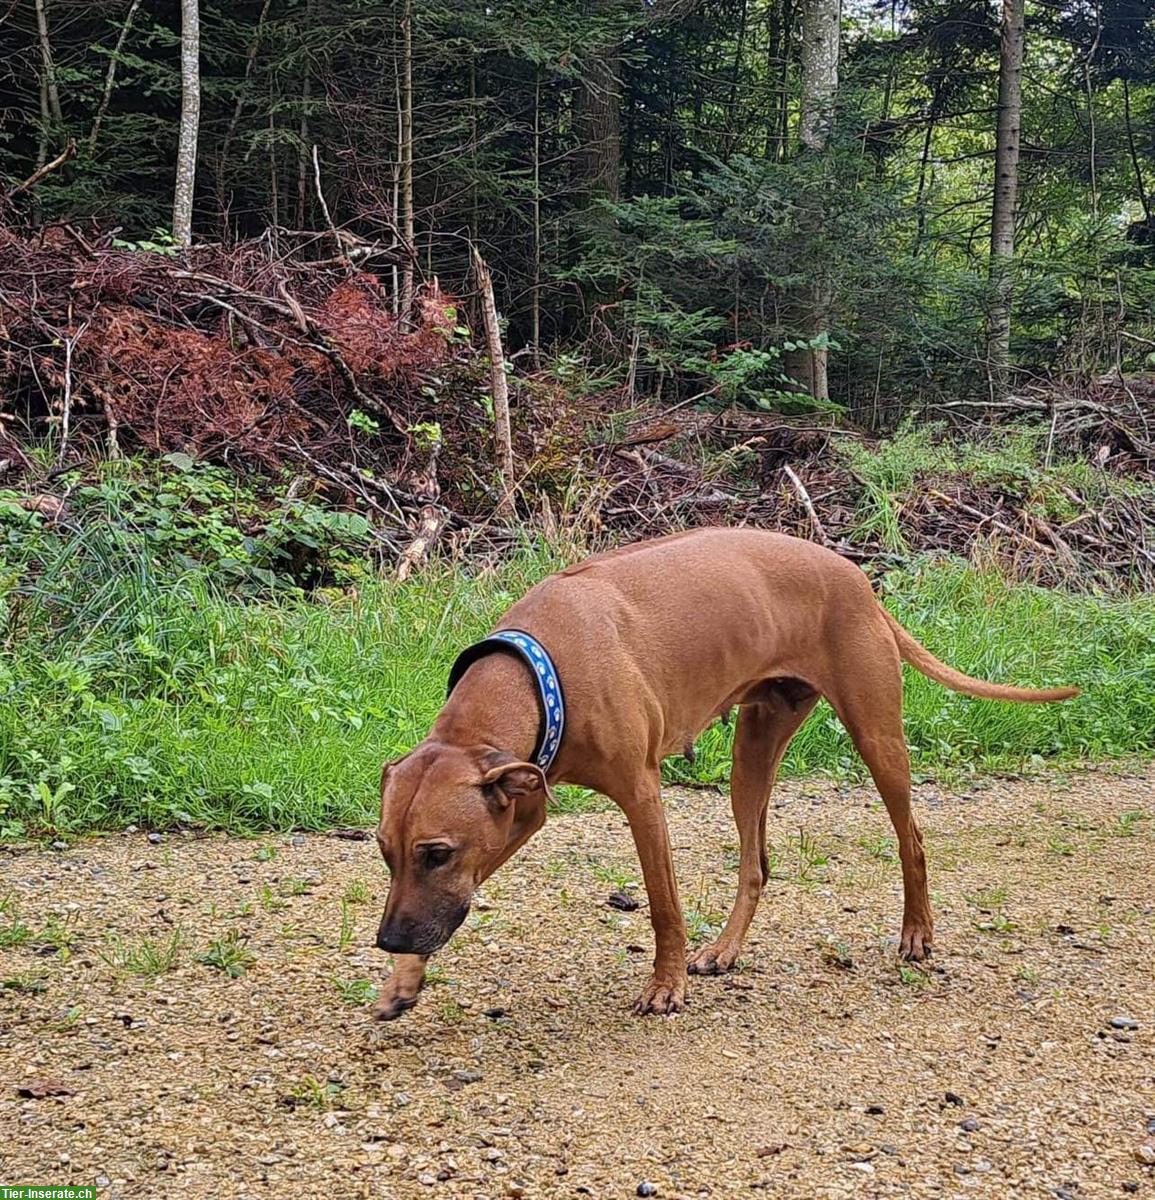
[1139, 181]
[190, 114]
[820, 44]
[47, 65]
[499, 385]
[303, 134]
[821, 29]
[597, 117]
[110, 76]
[1012, 36]
[405, 154]
[239, 103]
[535, 335]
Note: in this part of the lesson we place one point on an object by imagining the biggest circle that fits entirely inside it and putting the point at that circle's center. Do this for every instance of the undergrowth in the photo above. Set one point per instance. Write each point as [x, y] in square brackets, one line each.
[136, 694]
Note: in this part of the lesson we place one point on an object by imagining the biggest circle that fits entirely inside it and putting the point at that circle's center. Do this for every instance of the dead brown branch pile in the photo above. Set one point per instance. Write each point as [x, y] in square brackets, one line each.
[259, 357]
[787, 474]
[239, 353]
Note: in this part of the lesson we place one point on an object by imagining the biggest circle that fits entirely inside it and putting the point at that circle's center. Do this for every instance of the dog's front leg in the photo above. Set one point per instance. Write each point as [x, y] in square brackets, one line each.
[400, 991]
[666, 991]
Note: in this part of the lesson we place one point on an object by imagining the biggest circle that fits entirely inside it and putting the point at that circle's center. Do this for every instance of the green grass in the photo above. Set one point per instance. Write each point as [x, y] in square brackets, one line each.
[131, 696]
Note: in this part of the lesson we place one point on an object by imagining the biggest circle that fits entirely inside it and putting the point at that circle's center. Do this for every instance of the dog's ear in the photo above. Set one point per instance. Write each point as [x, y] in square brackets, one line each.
[513, 782]
[385, 769]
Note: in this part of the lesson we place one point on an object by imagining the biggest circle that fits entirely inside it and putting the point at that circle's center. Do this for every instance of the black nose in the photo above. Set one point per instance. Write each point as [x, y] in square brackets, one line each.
[393, 939]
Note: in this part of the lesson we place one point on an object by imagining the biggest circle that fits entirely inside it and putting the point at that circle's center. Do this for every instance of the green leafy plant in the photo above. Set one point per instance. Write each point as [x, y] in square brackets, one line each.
[357, 992]
[228, 954]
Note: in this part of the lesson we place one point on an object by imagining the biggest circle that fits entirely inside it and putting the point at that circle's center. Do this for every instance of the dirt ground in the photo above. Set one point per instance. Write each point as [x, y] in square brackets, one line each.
[822, 1069]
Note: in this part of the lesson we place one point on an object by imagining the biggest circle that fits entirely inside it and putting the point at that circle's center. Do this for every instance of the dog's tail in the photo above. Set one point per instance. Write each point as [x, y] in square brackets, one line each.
[922, 660]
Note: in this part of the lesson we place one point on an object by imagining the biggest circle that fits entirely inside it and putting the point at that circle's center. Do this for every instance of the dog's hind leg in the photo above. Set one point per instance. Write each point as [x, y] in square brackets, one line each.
[869, 703]
[760, 740]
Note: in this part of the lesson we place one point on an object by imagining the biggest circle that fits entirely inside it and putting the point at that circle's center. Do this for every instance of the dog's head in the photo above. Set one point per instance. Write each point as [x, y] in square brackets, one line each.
[449, 818]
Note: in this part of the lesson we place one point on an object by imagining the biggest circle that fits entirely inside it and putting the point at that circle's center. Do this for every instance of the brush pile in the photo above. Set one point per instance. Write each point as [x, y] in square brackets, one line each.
[263, 358]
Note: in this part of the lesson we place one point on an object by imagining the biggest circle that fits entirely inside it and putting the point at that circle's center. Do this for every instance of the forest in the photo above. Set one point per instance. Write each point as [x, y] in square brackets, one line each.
[781, 203]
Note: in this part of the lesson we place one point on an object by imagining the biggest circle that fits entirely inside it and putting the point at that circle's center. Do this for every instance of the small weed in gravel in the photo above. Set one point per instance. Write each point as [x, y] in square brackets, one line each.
[147, 958]
[57, 936]
[811, 856]
[229, 954]
[989, 899]
[14, 934]
[348, 926]
[613, 874]
[911, 976]
[26, 982]
[882, 849]
[311, 1092]
[358, 892]
[703, 923]
[357, 992]
[1125, 826]
[269, 900]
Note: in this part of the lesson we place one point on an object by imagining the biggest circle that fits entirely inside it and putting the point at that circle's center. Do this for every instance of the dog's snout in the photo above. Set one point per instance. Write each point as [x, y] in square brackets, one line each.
[426, 933]
[395, 937]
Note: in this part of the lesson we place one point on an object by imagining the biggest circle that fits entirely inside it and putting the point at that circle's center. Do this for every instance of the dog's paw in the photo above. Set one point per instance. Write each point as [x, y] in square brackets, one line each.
[663, 996]
[916, 943]
[392, 1002]
[715, 959]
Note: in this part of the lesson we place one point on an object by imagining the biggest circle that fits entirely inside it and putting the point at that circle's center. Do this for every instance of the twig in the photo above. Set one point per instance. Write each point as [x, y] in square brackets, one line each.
[64, 156]
[325, 210]
[807, 503]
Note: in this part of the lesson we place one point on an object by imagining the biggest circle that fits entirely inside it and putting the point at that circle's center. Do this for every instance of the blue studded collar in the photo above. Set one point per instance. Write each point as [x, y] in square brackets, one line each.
[552, 726]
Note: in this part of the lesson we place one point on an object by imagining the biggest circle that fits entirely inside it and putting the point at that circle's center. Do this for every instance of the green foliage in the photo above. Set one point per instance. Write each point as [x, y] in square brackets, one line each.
[181, 514]
[228, 954]
[130, 694]
[146, 958]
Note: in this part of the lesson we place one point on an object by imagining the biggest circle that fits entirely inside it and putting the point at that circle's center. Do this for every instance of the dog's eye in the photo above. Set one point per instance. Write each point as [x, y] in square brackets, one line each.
[437, 856]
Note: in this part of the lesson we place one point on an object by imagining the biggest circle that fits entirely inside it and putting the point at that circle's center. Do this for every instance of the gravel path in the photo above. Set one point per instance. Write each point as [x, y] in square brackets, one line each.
[823, 1069]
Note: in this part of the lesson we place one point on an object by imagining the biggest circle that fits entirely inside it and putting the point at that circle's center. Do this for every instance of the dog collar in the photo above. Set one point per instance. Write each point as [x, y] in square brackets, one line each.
[552, 724]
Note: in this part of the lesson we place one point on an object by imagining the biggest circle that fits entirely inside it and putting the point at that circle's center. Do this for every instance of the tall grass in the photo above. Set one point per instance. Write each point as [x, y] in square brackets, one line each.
[127, 696]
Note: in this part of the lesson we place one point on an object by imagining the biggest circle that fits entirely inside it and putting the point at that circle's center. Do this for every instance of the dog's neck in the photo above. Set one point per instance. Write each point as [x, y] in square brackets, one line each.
[494, 704]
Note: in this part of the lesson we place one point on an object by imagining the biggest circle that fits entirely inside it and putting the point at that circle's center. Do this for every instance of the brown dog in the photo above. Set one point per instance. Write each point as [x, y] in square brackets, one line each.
[651, 643]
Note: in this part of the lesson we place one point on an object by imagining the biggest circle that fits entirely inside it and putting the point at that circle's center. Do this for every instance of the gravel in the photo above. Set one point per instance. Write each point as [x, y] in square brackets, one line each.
[521, 1073]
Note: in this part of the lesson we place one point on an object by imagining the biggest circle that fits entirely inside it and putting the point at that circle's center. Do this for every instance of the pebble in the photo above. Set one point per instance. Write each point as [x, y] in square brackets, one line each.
[970, 1125]
[622, 901]
[427, 1179]
[103, 1181]
[1128, 1023]
[1145, 1154]
[1130, 1187]
[469, 1076]
[645, 1188]
[956, 1100]
[298, 839]
[155, 838]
